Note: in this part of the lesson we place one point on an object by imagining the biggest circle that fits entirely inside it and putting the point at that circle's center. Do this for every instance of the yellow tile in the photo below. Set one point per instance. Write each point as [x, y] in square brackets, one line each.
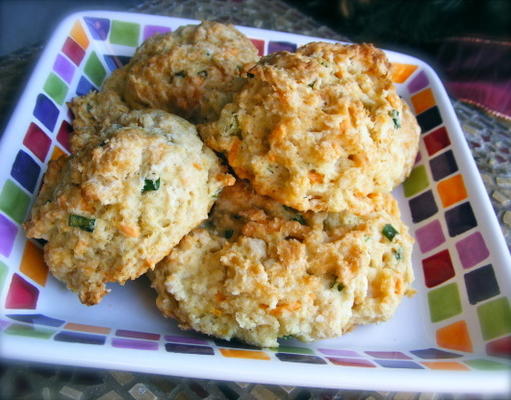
[79, 35]
[33, 265]
[401, 72]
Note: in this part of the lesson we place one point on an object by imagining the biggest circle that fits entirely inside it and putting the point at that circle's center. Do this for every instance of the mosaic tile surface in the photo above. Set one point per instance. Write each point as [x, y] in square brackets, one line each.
[448, 234]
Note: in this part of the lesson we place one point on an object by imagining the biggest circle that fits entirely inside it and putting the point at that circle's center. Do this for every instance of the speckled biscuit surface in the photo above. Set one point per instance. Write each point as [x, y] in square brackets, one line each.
[112, 211]
[192, 72]
[318, 129]
[257, 270]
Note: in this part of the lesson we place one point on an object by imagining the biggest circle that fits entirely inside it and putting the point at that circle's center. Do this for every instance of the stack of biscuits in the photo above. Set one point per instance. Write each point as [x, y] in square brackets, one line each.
[255, 192]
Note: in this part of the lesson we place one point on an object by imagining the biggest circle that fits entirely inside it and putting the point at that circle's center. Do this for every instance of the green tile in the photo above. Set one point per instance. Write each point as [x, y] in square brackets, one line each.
[55, 88]
[495, 318]
[25, 330]
[444, 302]
[3, 274]
[14, 201]
[125, 33]
[292, 349]
[416, 182]
[486, 364]
[94, 69]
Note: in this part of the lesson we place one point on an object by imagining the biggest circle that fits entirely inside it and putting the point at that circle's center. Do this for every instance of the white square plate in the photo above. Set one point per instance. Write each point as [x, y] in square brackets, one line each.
[453, 335]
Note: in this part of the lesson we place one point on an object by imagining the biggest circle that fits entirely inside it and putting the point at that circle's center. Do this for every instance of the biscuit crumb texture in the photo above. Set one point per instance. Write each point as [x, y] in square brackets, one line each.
[192, 72]
[113, 210]
[259, 271]
[319, 129]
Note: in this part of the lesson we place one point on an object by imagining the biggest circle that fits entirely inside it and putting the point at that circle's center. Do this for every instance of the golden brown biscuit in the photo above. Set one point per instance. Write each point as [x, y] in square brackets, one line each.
[112, 211]
[257, 270]
[320, 129]
[192, 72]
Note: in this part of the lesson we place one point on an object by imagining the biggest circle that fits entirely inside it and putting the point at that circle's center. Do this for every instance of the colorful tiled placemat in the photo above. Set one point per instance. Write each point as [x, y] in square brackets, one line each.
[469, 311]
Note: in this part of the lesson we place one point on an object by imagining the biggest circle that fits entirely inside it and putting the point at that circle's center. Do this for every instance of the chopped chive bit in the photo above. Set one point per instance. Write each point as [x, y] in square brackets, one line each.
[337, 285]
[296, 215]
[228, 233]
[394, 114]
[389, 232]
[151, 184]
[286, 337]
[181, 74]
[203, 73]
[84, 223]
[398, 254]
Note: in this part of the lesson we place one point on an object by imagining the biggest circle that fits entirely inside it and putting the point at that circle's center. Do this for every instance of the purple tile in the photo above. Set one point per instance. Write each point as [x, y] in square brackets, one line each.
[184, 339]
[4, 324]
[434, 354]
[389, 355]
[134, 344]
[98, 27]
[399, 364]
[76, 337]
[25, 170]
[64, 68]
[8, 231]
[423, 206]
[38, 319]
[418, 158]
[46, 112]
[443, 165]
[481, 284]
[137, 335]
[300, 358]
[472, 250]
[281, 46]
[418, 83]
[430, 236]
[151, 30]
[84, 87]
[189, 349]
[351, 362]
[339, 353]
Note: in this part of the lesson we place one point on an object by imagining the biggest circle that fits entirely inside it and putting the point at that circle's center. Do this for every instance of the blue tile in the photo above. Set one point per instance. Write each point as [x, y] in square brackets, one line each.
[113, 62]
[98, 27]
[481, 284]
[399, 364]
[25, 170]
[443, 165]
[38, 319]
[434, 354]
[84, 86]
[189, 349]
[76, 337]
[460, 219]
[281, 46]
[46, 112]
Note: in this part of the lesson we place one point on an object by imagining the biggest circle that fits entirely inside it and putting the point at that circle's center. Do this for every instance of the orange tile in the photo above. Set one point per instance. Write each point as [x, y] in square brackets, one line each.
[452, 190]
[401, 72]
[423, 100]
[86, 328]
[455, 337]
[79, 35]
[254, 355]
[57, 153]
[32, 263]
[446, 365]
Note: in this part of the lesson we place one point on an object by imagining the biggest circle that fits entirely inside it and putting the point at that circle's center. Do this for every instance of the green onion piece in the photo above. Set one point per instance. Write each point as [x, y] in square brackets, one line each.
[250, 75]
[181, 74]
[300, 219]
[394, 114]
[228, 233]
[150, 184]
[84, 223]
[311, 85]
[389, 232]
[337, 285]
[398, 254]
[204, 73]
[287, 337]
